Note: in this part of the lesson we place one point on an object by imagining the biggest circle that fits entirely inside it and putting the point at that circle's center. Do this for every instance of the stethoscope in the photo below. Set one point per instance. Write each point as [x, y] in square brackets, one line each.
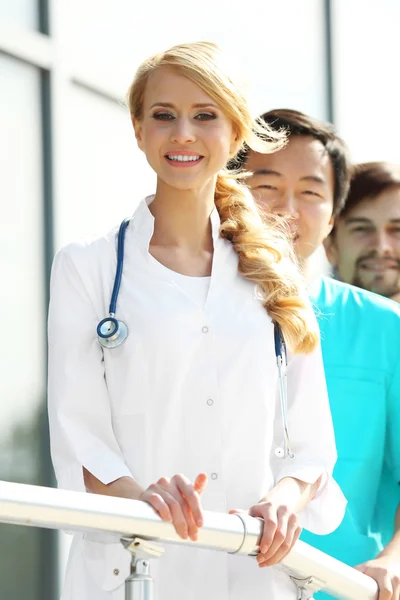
[113, 332]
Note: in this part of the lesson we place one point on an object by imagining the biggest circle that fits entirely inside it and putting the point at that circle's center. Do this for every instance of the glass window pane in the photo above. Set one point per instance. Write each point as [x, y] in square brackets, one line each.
[22, 352]
[103, 174]
[21, 12]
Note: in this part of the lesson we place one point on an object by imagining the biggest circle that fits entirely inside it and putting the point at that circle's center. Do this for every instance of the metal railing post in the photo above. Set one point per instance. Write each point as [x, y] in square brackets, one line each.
[140, 585]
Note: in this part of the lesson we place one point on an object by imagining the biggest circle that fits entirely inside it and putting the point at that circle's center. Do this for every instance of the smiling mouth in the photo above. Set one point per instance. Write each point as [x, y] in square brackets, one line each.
[184, 160]
[379, 265]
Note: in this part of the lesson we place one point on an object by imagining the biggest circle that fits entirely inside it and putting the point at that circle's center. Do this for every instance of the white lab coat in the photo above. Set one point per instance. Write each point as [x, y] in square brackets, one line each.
[190, 390]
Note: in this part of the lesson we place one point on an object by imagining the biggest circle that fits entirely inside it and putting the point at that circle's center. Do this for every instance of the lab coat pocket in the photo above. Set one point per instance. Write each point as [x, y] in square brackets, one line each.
[107, 564]
[132, 436]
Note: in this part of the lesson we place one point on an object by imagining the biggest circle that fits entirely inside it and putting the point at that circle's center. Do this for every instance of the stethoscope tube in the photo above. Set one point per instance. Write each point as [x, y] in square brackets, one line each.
[112, 333]
[281, 361]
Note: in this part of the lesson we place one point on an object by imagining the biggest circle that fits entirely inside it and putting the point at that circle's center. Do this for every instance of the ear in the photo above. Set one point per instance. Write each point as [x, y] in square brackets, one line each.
[331, 249]
[235, 145]
[137, 126]
[330, 226]
[234, 148]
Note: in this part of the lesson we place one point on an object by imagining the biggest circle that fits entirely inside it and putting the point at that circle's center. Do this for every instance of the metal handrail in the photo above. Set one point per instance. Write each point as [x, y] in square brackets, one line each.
[76, 511]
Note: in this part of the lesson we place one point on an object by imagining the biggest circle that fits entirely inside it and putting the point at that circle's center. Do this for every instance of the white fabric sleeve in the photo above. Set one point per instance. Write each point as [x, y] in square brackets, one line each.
[81, 432]
[312, 441]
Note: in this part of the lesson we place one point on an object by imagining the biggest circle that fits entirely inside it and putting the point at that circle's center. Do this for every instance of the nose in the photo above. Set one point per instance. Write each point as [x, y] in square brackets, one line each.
[183, 131]
[286, 206]
[383, 243]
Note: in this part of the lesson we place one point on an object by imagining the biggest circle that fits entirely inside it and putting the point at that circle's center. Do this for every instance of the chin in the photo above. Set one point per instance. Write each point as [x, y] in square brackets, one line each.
[189, 184]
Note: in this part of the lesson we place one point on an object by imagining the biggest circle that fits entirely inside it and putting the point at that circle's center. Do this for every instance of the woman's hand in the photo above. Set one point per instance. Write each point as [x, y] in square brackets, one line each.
[281, 531]
[279, 509]
[178, 500]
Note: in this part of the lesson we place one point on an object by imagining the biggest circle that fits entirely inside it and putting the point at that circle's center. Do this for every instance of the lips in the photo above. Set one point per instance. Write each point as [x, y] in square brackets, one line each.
[183, 158]
[379, 265]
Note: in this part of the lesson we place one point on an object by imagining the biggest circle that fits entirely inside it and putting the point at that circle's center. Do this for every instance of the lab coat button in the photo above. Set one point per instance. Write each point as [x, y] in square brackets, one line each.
[210, 402]
[116, 571]
[205, 329]
[214, 475]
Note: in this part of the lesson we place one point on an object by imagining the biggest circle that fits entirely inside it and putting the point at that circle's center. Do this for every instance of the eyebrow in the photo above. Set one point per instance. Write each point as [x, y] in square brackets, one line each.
[311, 178]
[364, 220]
[198, 105]
[266, 172]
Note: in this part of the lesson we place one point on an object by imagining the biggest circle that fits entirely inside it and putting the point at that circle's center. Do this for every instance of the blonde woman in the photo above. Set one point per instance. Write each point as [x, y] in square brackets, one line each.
[182, 414]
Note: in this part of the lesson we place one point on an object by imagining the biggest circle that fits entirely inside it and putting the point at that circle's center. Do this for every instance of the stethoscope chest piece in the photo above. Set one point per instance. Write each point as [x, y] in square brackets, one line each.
[111, 332]
[282, 453]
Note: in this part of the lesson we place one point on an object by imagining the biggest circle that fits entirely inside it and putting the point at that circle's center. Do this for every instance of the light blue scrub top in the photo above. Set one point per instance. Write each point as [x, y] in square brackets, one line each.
[360, 338]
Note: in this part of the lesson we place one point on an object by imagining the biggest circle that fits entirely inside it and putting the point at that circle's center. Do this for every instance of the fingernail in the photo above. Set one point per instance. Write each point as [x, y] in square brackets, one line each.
[199, 522]
[263, 549]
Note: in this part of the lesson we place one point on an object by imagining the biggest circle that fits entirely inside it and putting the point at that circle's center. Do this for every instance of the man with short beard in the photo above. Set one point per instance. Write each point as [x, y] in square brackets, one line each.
[364, 246]
[307, 183]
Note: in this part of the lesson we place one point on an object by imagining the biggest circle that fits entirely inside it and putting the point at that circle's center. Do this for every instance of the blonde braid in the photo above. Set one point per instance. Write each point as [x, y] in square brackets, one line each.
[265, 257]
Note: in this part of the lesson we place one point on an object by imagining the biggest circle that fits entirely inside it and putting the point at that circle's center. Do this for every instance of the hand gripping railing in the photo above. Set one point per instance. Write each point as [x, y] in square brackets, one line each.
[139, 527]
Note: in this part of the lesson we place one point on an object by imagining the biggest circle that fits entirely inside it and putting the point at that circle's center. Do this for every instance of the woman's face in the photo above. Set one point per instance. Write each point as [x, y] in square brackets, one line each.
[186, 137]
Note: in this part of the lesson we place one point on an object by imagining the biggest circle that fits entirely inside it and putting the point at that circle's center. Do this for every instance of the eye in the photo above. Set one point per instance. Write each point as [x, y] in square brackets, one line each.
[312, 193]
[205, 116]
[163, 116]
[266, 186]
[361, 230]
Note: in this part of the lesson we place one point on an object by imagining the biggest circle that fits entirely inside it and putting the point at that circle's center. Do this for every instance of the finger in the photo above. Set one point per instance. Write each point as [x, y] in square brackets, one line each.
[200, 483]
[279, 536]
[176, 510]
[192, 498]
[360, 568]
[385, 588]
[267, 513]
[158, 503]
[179, 495]
[192, 527]
[292, 535]
[396, 588]
[171, 489]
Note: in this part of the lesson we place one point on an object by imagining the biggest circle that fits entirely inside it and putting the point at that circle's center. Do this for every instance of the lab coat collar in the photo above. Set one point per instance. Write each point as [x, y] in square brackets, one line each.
[225, 259]
[142, 224]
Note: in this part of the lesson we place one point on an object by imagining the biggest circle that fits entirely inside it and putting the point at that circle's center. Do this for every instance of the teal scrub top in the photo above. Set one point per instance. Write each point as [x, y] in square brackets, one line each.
[360, 339]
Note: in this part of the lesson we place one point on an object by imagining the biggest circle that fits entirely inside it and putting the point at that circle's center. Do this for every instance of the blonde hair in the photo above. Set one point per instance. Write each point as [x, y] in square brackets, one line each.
[265, 255]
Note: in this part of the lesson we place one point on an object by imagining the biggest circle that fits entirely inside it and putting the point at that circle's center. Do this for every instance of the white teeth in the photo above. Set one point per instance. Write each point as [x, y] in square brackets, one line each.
[182, 157]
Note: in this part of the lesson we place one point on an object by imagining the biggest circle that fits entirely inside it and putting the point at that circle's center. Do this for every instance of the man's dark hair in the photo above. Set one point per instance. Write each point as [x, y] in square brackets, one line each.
[299, 124]
[368, 180]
